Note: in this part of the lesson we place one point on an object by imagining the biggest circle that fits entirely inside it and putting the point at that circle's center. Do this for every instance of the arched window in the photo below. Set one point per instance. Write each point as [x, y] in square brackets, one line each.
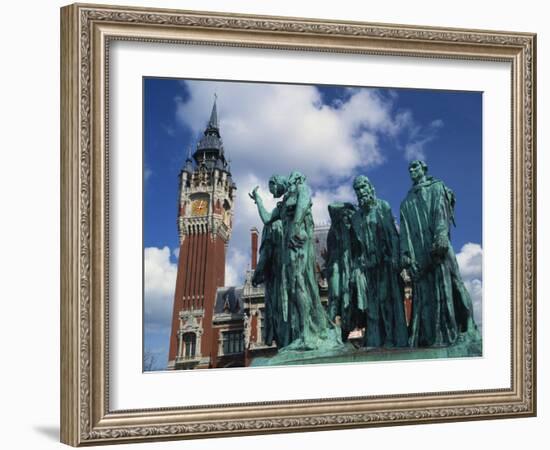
[190, 344]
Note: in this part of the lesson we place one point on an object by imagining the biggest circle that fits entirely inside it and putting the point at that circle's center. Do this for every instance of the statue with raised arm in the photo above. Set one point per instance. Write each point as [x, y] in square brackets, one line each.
[376, 269]
[441, 307]
[293, 277]
[270, 268]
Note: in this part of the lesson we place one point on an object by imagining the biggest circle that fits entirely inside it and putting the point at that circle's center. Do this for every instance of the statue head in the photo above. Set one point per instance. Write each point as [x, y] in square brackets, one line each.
[278, 185]
[366, 194]
[417, 170]
[296, 178]
[340, 213]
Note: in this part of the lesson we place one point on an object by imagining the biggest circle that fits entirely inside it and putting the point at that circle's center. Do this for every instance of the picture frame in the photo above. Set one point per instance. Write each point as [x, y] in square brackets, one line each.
[87, 32]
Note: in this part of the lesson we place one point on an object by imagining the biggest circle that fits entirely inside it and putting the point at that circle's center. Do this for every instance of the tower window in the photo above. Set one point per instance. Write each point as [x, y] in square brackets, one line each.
[190, 344]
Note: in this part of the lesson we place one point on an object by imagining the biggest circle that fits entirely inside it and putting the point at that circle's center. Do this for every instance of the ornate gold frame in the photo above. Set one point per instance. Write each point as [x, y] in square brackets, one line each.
[86, 31]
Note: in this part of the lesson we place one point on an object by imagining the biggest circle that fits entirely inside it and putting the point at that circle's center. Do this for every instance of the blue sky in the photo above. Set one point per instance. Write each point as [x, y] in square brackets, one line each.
[331, 134]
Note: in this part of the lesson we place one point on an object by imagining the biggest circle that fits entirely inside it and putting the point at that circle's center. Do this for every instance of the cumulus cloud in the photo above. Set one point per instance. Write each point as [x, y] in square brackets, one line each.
[259, 121]
[470, 263]
[470, 260]
[159, 284]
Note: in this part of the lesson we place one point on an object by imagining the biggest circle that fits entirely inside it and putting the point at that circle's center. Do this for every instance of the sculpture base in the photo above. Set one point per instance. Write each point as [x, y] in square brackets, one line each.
[469, 347]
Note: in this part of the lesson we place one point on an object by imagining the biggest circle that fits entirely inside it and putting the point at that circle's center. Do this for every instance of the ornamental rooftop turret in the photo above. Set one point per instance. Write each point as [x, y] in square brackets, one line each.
[188, 163]
[210, 147]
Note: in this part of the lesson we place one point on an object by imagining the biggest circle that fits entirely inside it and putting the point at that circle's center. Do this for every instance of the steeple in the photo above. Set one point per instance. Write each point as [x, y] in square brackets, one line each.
[213, 123]
[210, 146]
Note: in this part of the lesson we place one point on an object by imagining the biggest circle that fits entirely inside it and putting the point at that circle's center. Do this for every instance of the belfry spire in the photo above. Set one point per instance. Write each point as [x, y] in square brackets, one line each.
[213, 122]
[210, 146]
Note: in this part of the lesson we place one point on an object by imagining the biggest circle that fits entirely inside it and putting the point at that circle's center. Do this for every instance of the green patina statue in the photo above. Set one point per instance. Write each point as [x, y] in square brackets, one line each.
[375, 252]
[365, 254]
[442, 308]
[270, 268]
[342, 302]
[362, 270]
[298, 319]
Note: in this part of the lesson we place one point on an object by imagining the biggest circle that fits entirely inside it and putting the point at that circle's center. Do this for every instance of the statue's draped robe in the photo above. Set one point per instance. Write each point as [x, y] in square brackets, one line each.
[271, 270]
[339, 270]
[442, 307]
[376, 278]
[310, 328]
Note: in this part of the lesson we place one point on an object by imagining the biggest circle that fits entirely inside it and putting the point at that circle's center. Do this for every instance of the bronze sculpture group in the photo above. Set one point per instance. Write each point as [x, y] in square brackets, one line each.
[366, 255]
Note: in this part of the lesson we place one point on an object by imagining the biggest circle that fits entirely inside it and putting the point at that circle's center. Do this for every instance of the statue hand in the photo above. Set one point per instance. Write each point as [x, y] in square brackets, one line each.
[254, 194]
[338, 321]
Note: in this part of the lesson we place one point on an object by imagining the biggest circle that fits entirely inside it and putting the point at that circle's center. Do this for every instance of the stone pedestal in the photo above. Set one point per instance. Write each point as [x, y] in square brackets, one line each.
[465, 348]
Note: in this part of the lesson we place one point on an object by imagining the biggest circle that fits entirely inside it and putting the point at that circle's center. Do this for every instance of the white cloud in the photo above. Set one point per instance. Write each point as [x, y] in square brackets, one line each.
[469, 261]
[280, 128]
[159, 285]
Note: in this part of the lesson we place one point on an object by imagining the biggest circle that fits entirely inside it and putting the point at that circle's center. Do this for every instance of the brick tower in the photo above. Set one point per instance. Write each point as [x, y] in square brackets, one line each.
[206, 199]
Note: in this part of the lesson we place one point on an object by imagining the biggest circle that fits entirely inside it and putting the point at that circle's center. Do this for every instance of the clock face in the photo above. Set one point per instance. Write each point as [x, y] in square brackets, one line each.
[199, 207]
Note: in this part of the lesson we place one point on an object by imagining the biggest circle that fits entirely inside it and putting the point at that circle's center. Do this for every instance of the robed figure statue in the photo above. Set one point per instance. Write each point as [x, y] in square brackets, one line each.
[295, 285]
[270, 269]
[441, 307]
[375, 252]
[342, 301]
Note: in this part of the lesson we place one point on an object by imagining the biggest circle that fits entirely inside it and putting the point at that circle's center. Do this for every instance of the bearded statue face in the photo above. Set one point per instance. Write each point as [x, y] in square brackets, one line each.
[364, 190]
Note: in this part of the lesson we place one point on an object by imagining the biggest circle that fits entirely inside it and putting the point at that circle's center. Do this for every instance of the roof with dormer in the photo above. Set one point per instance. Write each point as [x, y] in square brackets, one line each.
[229, 300]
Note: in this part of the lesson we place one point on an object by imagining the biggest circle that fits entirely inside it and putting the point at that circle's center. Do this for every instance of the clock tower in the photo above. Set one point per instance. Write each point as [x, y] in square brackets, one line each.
[205, 216]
